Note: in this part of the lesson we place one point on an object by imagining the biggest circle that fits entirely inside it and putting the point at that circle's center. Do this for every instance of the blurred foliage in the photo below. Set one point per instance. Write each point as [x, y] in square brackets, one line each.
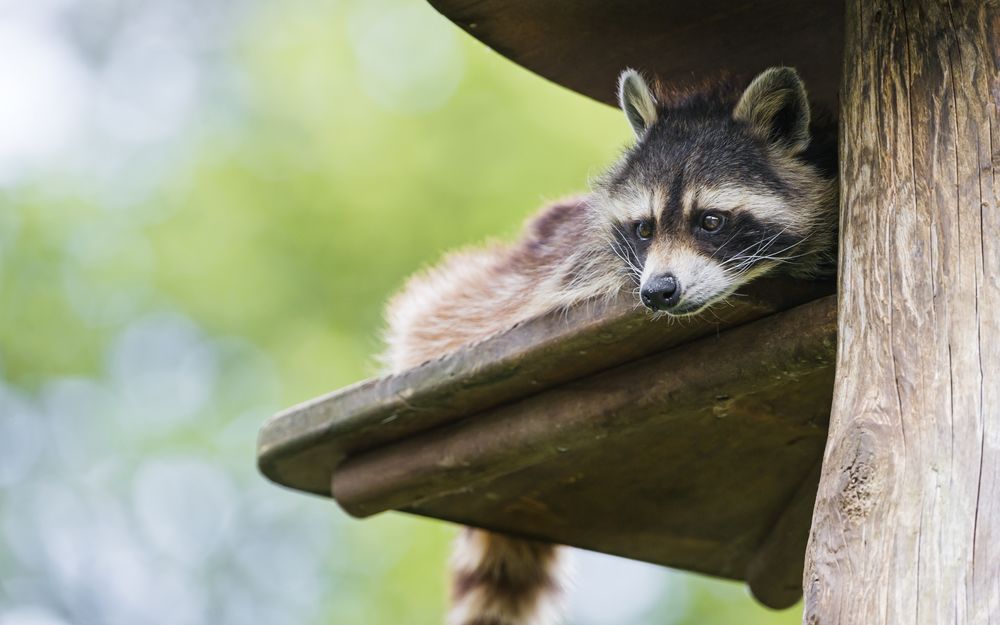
[160, 297]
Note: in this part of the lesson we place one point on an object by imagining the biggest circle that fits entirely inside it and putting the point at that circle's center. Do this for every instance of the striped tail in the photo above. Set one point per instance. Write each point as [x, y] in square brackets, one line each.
[499, 580]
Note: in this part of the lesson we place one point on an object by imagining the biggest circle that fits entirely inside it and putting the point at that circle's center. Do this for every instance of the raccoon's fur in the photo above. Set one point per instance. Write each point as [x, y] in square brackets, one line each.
[722, 186]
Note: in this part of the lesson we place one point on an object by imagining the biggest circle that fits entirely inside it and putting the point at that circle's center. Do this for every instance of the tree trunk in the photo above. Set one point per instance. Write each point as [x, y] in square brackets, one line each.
[906, 527]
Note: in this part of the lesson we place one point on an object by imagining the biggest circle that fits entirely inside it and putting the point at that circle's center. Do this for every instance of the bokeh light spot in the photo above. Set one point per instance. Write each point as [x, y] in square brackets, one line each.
[408, 57]
[184, 506]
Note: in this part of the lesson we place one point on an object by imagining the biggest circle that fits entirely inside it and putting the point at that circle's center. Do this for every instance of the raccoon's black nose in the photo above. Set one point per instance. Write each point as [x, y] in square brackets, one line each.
[661, 293]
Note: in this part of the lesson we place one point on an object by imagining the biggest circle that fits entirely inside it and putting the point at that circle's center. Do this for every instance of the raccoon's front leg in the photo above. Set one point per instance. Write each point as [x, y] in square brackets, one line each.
[500, 580]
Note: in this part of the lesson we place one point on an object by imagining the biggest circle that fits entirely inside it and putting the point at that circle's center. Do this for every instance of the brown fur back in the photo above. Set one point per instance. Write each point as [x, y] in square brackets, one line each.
[474, 294]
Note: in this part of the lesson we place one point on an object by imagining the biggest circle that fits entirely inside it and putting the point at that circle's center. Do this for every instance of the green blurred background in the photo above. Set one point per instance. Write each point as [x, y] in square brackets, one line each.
[203, 206]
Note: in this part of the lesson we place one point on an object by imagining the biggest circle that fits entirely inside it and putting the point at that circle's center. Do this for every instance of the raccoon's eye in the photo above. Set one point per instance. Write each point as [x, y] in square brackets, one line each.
[644, 229]
[711, 222]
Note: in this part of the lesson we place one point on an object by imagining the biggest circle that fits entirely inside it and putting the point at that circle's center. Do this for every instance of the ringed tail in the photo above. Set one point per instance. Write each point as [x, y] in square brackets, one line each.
[501, 580]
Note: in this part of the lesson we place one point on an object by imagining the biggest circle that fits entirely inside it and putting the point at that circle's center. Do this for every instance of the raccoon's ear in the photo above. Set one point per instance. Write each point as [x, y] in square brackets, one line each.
[776, 108]
[637, 101]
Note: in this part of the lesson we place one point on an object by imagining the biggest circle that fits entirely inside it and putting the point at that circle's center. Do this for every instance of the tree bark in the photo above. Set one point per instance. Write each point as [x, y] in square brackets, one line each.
[907, 518]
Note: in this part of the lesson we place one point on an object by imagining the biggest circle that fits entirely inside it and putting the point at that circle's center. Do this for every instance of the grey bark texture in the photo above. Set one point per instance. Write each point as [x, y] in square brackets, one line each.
[907, 518]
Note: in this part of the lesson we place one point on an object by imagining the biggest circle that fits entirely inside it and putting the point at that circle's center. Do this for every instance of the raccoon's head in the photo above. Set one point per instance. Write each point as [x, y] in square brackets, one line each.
[720, 188]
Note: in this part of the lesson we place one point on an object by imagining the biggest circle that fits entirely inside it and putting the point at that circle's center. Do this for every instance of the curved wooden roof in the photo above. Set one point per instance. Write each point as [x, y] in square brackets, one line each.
[584, 44]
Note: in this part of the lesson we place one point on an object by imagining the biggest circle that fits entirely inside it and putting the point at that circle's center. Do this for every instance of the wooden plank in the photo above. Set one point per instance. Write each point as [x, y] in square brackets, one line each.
[684, 458]
[775, 572]
[585, 44]
[909, 500]
[300, 447]
[676, 384]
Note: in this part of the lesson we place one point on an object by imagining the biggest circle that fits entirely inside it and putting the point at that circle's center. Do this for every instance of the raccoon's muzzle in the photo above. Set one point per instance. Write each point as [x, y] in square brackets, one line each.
[661, 293]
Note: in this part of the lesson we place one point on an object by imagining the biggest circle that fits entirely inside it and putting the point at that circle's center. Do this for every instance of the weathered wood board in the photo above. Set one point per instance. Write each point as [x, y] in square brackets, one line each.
[300, 447]
[585, 44]
[680, 443]
[909, 503]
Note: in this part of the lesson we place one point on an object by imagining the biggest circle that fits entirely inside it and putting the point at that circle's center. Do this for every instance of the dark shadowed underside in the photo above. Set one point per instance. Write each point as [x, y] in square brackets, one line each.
[584, 44]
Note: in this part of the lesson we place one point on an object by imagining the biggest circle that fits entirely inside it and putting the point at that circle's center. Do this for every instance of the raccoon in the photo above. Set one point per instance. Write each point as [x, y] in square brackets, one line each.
[722, 185]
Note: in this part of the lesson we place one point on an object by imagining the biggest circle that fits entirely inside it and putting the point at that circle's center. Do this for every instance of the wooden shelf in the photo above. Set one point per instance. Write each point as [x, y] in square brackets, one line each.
[687, 443]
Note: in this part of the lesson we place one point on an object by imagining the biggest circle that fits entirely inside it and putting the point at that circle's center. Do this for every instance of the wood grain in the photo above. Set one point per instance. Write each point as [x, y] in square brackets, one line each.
[907, 516]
